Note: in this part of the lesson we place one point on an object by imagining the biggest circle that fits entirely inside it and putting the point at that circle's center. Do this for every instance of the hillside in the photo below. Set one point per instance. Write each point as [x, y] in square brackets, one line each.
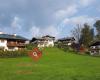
[54, 65]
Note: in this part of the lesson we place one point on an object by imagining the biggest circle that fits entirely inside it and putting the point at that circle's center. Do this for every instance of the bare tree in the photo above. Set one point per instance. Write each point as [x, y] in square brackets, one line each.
[76, 32]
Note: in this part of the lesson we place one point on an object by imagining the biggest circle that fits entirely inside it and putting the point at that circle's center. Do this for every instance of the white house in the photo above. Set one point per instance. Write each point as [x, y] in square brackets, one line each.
[46, 41]
[95, 48]
[11, 42]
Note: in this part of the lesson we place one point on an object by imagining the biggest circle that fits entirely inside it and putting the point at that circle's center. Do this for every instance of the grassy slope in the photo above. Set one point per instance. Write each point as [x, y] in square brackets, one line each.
[54, 65]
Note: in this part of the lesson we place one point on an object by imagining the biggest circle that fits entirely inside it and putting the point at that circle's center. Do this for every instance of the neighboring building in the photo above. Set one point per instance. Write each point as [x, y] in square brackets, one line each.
[12, 42]
[33, 40]
[67, 41]
[95, 48]
[46, 41]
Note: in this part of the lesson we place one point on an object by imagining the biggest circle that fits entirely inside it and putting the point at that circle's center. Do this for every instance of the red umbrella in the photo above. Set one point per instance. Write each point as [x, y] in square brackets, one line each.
[35, 54]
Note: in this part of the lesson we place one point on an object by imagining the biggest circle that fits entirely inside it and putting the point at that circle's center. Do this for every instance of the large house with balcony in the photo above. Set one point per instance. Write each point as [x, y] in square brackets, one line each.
[45, 41]
[95, 48]
[12, 42]
[67, 41]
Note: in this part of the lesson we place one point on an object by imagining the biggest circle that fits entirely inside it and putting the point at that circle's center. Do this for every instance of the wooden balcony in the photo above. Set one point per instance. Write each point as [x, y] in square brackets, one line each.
[14, 44]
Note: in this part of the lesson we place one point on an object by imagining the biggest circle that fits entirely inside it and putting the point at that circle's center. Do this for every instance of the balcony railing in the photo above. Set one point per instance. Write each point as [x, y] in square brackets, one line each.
[14, 44]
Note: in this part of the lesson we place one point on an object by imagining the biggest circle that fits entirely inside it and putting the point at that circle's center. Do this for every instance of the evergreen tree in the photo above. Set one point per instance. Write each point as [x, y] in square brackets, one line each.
[97, 26]
[86, 35]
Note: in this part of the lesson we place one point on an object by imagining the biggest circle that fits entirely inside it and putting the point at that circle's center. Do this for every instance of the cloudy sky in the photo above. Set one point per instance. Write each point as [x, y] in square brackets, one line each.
[39, 17]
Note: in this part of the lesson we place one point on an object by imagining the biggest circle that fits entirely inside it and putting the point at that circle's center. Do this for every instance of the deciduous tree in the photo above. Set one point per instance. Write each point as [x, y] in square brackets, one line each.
[76, 32]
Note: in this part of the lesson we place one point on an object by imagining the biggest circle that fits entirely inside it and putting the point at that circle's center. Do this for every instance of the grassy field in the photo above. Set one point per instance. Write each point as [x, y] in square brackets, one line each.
[54, 65]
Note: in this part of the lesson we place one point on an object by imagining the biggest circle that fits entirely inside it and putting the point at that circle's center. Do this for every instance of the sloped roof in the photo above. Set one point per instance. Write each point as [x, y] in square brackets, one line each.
[67, 39]
[95, 43]
[48, 36]
[14, 37]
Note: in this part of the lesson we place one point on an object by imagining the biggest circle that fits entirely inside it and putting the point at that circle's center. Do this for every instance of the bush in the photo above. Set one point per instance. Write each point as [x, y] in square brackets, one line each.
[13, 54]
[64, 47]
[30, 46]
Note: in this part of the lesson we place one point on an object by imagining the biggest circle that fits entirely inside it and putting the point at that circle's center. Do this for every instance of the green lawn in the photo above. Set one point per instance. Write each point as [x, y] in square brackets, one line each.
[54, 65]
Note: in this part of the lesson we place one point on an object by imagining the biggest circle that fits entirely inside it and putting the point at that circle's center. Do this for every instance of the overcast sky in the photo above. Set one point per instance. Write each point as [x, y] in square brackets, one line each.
[40, 17]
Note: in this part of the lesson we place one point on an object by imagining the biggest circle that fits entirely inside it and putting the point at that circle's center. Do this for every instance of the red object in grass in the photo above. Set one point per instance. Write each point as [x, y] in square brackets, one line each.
[35, 54]
[82, 49]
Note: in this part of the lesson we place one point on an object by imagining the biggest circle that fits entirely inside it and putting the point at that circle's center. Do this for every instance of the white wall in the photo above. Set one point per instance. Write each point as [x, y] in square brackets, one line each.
[3, 44]
[49, 43]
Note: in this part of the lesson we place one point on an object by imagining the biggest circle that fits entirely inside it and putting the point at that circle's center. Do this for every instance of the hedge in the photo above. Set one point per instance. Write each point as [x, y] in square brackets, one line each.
[13, 54]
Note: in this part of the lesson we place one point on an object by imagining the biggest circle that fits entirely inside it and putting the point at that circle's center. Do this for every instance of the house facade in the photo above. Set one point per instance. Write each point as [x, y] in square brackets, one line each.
[67, 41]
[95, 48]
[46, 41]
[12, 42]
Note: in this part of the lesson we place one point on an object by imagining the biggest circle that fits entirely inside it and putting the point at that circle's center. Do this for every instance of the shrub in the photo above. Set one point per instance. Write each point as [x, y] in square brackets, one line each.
[12, 54]
[30, 46]
[64, 47]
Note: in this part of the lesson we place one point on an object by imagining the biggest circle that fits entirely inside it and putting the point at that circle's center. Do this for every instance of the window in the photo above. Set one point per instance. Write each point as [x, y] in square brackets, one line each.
[2, 41]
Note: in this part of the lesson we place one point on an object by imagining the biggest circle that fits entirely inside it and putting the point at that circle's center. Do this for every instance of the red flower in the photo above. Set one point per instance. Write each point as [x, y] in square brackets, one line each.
[35, 54]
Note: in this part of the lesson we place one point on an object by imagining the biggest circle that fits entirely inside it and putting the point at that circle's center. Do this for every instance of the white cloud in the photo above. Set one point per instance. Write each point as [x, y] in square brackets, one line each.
[69, 11]
[35, 31]
[69, 23]
[86, 2]
[51, 30]
[80, 20]
[45, 13]
[16, 23]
